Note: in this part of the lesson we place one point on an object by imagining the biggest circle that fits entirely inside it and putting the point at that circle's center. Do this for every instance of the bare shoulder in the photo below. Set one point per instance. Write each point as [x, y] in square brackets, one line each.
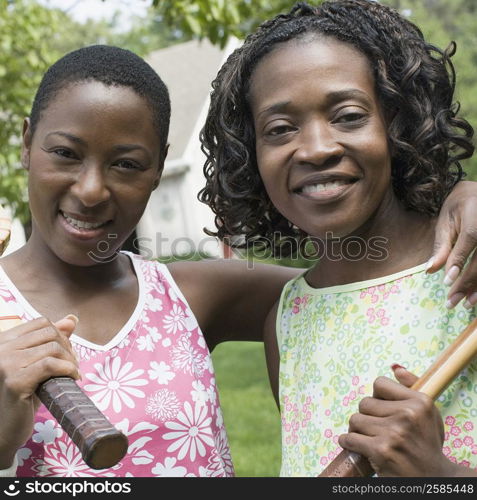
[229, 297]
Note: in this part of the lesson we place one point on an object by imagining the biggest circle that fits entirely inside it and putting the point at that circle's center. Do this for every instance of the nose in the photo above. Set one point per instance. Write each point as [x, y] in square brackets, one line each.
[90, 186]
[318, 144]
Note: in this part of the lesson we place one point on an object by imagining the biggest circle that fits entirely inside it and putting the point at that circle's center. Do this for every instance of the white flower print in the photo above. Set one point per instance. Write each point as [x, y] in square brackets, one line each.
[191, 431]
[84, 353]
[199, 394]
[220, 461]
[63, 461]
[146, 342]
[22, 455]
[47, 432]
[163, 405]
[190, 323]
[113, 383]
[160, 371]
[212, 393]
[154, 303]
[175, 321]
[169, 469]
[136, 453]
[172, 294]
[186, 358]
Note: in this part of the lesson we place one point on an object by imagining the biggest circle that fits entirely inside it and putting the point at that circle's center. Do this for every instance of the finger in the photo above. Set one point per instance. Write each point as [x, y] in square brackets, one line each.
[445, 237]
[39, 337]
[25, 381]
[381, 408]
[352, 441]
[67, 324]
[465, 285]
[20, 359]
[24, 328]
[404, 376]
[385, 388]
[365, 424]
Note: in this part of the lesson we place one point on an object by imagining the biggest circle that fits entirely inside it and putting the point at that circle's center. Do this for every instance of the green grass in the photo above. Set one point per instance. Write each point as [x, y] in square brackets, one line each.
[251, 416]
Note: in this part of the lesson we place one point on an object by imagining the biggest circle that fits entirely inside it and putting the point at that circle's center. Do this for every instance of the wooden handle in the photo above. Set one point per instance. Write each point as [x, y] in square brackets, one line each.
[100, 443]
[434, 381]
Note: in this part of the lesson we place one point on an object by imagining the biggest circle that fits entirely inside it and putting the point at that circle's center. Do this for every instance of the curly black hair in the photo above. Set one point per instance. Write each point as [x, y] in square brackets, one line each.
[415, 83]
[112, 66]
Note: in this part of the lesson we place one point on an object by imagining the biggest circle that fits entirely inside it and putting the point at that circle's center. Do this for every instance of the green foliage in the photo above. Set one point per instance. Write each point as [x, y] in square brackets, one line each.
[218, 19]
[442, 21]
[250, 413]
[25, 32]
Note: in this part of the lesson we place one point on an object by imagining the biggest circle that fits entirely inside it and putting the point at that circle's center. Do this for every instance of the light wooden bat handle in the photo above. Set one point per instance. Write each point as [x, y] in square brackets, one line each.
[100, 443]
[434, 381]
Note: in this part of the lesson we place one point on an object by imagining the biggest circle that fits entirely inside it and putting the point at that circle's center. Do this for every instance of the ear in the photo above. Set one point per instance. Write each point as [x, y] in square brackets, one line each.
[26, 144]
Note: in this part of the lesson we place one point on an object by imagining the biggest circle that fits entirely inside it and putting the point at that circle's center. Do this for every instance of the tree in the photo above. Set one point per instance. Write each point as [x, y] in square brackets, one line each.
[25, 31]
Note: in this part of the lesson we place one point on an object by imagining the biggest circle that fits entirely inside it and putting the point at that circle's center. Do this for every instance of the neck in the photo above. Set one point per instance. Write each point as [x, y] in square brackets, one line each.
[391, 241]
[36, 265]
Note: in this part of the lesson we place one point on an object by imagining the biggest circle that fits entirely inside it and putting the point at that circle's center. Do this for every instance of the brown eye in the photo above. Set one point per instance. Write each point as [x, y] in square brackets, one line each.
[128, 165]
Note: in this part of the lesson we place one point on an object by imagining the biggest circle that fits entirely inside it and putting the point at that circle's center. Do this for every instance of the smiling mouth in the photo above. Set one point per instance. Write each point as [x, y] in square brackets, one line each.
[322, 187]
[83, 225]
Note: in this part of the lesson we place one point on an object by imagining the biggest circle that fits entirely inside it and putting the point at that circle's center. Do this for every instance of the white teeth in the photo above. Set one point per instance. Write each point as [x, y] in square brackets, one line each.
[82, 224]
[316, 188]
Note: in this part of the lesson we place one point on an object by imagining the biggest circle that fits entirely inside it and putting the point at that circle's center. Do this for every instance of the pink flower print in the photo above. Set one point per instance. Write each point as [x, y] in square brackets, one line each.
[328, 412]
[465, 463]
[335, 439]
[331, 455]
[446, 451]
[355, 380]
[468, 440]
[384, 321]
[361, 389]
[352, 395]
[457, 443]
[455, 430]
[453, 459]
[295, 310]
[345, 401]
[468, 426]
[328, 433]
[450, 420]
[323, 460]
[474, 449]
[446, 436]
[297, 301]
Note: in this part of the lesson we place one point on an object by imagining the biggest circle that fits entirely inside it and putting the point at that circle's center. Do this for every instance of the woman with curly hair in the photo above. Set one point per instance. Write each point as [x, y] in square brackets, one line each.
[337, 123]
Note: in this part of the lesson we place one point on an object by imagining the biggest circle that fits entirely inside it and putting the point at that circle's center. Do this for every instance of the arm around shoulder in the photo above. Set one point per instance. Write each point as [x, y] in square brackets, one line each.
[231, 298]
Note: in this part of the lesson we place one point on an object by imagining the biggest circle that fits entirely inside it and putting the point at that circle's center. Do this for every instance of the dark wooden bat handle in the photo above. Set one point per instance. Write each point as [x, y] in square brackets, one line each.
[433, 382]
[100, 443]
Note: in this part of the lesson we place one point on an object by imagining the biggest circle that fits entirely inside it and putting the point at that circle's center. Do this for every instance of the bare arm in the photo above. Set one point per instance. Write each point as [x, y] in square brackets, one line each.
[272, 353]
[229, 299]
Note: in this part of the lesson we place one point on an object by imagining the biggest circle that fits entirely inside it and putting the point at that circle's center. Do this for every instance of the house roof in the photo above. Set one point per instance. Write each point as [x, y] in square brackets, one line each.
[188, 70]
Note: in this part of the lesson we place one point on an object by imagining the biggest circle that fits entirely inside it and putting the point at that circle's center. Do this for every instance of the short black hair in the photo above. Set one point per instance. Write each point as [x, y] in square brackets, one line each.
[112, 66]
[415, 84]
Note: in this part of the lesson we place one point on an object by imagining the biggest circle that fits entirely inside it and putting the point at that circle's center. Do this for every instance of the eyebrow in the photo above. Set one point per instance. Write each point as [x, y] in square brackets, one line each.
[121, 148]
[71, 137]
[331, 98]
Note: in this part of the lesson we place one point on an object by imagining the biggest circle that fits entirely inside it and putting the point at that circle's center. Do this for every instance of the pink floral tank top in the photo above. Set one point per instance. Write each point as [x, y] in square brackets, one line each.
[154, 381]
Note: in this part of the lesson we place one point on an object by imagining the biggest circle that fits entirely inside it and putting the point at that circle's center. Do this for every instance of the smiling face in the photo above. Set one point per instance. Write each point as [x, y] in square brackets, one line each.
[321, 140]
[93, 162]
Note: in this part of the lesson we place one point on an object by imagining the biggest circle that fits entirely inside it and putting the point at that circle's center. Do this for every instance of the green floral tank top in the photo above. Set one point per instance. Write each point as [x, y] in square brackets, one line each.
[334, 342]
